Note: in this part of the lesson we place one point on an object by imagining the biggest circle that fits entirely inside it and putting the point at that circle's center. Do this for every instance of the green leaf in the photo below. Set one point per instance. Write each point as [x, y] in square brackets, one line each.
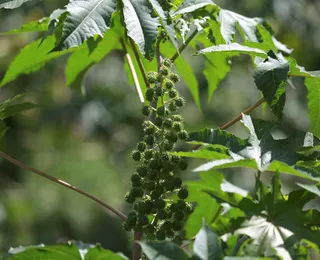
[84, 20]
[270, 77]
[142, 28]
[189, 6]
[81, 61]
[246, 258]
[163, 251]
[61, 252]
[3, 128]
[184, 70]
[233, 49]
[313, 86]
[15, 109]
[11, 4]
[315, 189]
[98, 253]
[230, 21]
[34, 26]
[32, 58]
[207, 245]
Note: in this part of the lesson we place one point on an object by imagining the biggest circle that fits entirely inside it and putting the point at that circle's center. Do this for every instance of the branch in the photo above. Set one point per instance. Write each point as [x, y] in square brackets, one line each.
[63, 183]
[136, 254]
[136, 54]
[238, 118]
[183, 46]
[133, 72]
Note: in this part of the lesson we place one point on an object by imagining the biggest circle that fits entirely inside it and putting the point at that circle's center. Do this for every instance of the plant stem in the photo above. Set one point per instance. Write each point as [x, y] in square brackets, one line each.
[239, 243]
[183, 46]
[136, 254]
[142, 69]
[63, 183]
[256, 186]
[247, 111]
[133, 72]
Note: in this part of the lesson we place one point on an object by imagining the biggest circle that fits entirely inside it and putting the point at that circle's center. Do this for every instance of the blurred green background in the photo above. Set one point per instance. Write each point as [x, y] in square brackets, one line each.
[86, 140]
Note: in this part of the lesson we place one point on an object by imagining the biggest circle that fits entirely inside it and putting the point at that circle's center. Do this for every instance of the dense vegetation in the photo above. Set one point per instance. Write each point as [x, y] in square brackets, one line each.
[205, 217]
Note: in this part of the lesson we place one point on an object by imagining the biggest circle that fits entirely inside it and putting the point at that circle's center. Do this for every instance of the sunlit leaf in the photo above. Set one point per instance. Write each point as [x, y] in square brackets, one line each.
[189, 6]
[11, 4]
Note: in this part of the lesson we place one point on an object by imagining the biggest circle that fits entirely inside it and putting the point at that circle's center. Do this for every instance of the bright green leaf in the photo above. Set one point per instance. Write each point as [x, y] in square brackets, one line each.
[34, 26]
[163, 251]
[313, 86]
[99, 253]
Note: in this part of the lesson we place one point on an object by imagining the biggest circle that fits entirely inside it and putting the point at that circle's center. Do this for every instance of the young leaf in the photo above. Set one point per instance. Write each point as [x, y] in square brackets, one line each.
[34, 26]
[207, 245]
[11, 4]
[141, 26]
[32, 58]
[270, 77]
[163, 250]
[101, 254]
[233, 49]
[189, 6]
[84, 20]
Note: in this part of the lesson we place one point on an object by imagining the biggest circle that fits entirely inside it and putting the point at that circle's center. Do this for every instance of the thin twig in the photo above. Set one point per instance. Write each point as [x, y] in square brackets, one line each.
[183, 46]
[142, 69]
[136, 254]
[63, 183]
[133, 72]
[247, 111]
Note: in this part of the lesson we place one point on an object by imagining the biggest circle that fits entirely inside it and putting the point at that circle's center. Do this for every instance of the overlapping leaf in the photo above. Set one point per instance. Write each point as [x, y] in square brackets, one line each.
[189, 6]
[11, 4]
[85, 19]
[34, 26]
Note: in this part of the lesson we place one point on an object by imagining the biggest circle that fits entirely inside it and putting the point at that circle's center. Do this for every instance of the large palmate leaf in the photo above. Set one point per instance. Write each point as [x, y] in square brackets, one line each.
[11, 4]
[34, 26]
[189, 6]
[85, 19]
[270, 77]
[207, 245]
[32, 58]
[233, 49]
[229, 21]
[141, 26]
[163, 250]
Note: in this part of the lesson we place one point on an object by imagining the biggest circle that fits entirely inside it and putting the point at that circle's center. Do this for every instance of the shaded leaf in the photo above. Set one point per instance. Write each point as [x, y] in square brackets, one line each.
[11, 4]
[313, 86]
[142, 28]
[163, 251]
[234, 49]
[3, 128]
[98, 253]
[84, 20]
[12, 110]
[189, 6]
[270, 77]
[315, 189]
[34, 26]
[207, 245]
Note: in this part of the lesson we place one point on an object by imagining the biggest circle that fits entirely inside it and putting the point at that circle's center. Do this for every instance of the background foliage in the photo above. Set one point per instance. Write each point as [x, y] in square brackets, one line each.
[87, 139]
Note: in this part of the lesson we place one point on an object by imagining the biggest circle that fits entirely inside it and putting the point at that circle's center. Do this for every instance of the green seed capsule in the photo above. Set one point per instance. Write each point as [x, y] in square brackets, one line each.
[173, 107]
[150, 94]
[159, 203]
[148, 154]
[183, 135]
[168, 145]
[129, 198]
[159, 91]
[177, 118]
[160, 235]
[161, 111]
[164, 71]
[146, 110]
[135, 178]
[136, 155]
[174, 77]
[177, 126]
[176, 225]
[137, 192]
[141, 146]
[150, 139]
[172, 93]
[167, 63]
[181, 204]
[167, 122]
[183, 193]
[169, 85]
[142, 170]
[178, 215]
[158, 121]
[177, 182]
[180, 102]
[152, 77]
[162, 214]
[183, 165]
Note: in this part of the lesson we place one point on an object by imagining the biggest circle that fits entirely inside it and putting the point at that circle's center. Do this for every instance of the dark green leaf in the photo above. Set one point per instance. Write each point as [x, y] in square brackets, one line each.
[84, 20]
[313, 86]
[15, 109]
[207, 245]
[189, 6]
[163, 251]
[99, 253]
[270, 77]
[142, 28]
[3, 129]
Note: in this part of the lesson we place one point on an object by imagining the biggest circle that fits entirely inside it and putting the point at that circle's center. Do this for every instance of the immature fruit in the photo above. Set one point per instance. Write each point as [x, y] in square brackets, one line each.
[142, 170]
[160, 235]
[135, 178]
[174, 77]
[177, 118]
[150, 94]
[181, 204]
[167, 122]
[152, 77]
[141, 146]
[183, 135]
[137, 192]
[169, 85]
[142, 220]
[162, 214]
[161, 111]
[164, 71]
[159, 204]
[183, 165]
[172, 107]
[148, 154]
[177, 182]
[183, 193]
[176, 225]
[129, 198]
[177, 126]
[158, 121]
[159, 91]
[189, 208]
[150, 185]
[172, 93]
[178, 215]
[171, 136]
[136, 155]
[150, 139]
[180, 102]
[167, 63]
[168, 145]
[146, 110]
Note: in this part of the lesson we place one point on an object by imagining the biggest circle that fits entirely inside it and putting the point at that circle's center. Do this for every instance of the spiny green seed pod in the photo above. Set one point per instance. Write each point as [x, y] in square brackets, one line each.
[162, 214]
[174, 207]
[149, 206]
[171, 136]
[164, 71]
[174, 77]
[164, 157]
[168, 145]
[167, 225]
[183, 165]
[177, 182]
[148, 154]
[150, 94]
[161, 110]
[159, 204]
[141, 146]
[129, 198]
[135, 178]
[136, 155]
[146, 110]
[169, 233]
[177, 126]
[150, 185]
[183, 135]
[169, 85]
[142, 220]
[167, 63]
[152, 77]
[160, 235]
[180, 102]
[183, 193]
[167, 122]
[169, 185]
[176, 225]
[137, 192]
[178, 215]
[181, 204]
[153, 175]
[158, 121]
[142, 170]
[154, 163]
[189, 208]
[150, 130]
[149, 139]
[175, 158]
[177, 118]
[159, 91]
[172, 93]
[173, 107]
